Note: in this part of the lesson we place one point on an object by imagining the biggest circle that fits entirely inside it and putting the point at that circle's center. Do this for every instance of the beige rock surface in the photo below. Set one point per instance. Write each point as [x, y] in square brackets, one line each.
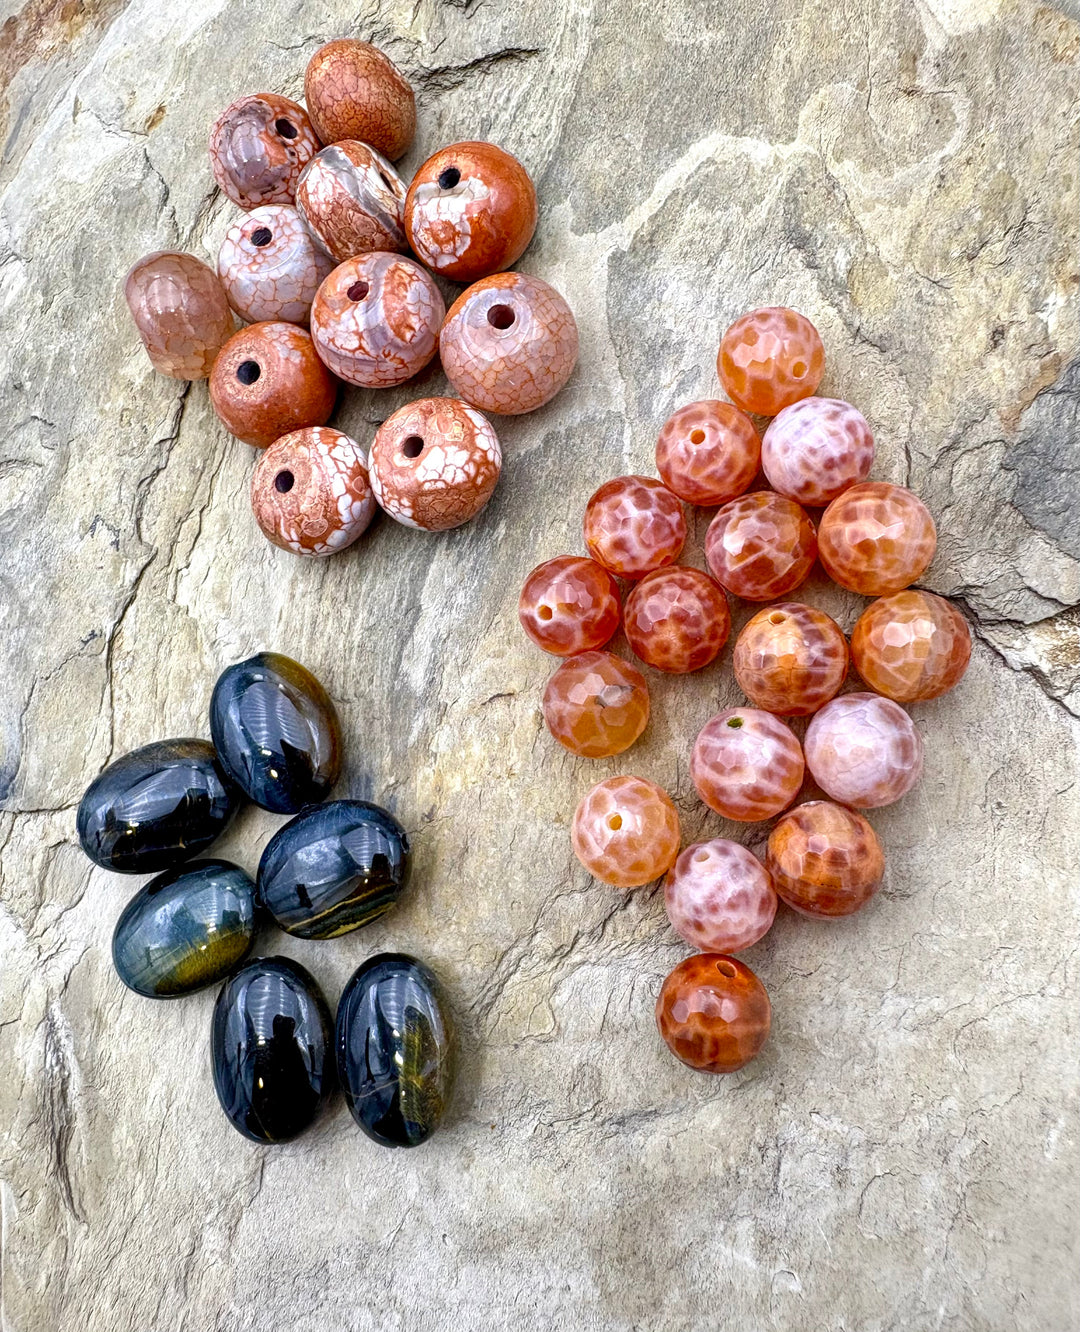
[904, 1155]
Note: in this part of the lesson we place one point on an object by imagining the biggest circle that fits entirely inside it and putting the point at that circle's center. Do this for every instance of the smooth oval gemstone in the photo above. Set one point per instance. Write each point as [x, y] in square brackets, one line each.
[276, 731]
[185, 929]
[156, 807]
[334, 868]
[271, 1049]
[395, 1049]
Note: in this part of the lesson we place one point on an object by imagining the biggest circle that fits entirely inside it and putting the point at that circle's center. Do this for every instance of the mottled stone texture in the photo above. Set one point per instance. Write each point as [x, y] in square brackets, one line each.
[903, 1154]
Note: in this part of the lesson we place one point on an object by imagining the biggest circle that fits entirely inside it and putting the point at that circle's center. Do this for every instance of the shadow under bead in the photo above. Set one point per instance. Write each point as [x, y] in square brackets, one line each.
[395, 1050]
[186, 929]
[156, 807]
[334, 868]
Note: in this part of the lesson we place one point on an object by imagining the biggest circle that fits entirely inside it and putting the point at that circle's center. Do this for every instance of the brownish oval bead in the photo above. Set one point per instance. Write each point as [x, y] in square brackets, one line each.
[179, 307]
[351, 199]
[470, 211]
[268, 381]
[713, 1013]
[825, 860]
[310, 491]
[353, 91]
[258, 147]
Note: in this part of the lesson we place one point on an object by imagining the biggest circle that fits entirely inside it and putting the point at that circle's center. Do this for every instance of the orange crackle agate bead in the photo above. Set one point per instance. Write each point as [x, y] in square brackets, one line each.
[677, 620]
[746, 764]
[769, 359]
[353, 91]
[824, 860]
[569, 604]
[596, 704]
[911, 646]
[268, 381]
[258, 147]
[310, 492]
[626, 832]
[713, 1013]
[179, 307]
[876, 539]
[790, 659]
[634, 525]
[351, 199]
[708, 452]
[760, 546]
[470, 211]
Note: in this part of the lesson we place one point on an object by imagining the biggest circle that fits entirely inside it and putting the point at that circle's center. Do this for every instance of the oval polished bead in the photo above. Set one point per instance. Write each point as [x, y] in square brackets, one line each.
[334, 868]
[185, 929]
[276, 731]
[180, 309]
[271, 1049]
[395, 1050]
[156, 807]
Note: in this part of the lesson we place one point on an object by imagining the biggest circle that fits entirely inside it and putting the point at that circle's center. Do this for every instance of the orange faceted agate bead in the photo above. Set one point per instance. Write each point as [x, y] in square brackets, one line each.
[353, 91]
[708, 452]
[634, 525]
[258, 147]
[876, 539]
[769, 359]
[824, 860]
[179, 307]
[596, 704]
[626, 832]
[569, 604]
[747, 765]
[790, 659]
[677, 620]
[911, 646]
[713, 1013]
[760, 546]
[268, 381]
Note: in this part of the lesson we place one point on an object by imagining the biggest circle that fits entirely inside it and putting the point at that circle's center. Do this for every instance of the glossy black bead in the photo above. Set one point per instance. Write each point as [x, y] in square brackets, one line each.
[186, 929]
[333, 868]
[271, 1049]
[156, 807]
[395, 1049]
[276, 732]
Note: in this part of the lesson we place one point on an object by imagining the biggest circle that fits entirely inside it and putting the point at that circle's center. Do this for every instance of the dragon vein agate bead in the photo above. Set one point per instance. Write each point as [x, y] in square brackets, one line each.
[769, 359]
[864, 750]
[310, 492]
[911, 646]
[824, 860]
[258, 147]
[876, 539]
[790, 659]
[713, 1013]
[634, 525]
[815, 449]
[180, 310]
[351, 199]
[760, 546]
[677, 620]
[568, 605]
[719, 897]
[596, 704]
[353, 91]
[270, 267]
[269, 381]
[708, 452]
[626, 832]
[746, 764]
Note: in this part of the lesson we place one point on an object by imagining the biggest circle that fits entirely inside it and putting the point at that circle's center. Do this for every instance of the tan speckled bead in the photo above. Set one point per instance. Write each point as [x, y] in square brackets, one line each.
[509, 343]
[352, 199]
[375, 319]
[180, 310]
[269, 381]
[258, 147]
[310, 491]
[270, 267]
[434, 464]
[353, 91]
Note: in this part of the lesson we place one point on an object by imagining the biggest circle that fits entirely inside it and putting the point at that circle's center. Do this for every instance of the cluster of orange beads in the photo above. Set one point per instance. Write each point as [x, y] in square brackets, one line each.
[791, 660]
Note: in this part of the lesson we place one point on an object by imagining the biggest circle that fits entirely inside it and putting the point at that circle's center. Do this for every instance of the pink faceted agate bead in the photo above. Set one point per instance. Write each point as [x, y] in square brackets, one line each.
[634, 525]
[760, 546]
[568, 605]
[719, 897]
[708, 452]
[815, 449]
[258, 147]
[876, 539]
[747, 764]
[863, 750]
[626, 832]
[677, 620]
[270, 267]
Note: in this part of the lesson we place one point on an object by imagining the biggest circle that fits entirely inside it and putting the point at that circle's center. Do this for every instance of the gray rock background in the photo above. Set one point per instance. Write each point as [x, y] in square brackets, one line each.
[904, 1154]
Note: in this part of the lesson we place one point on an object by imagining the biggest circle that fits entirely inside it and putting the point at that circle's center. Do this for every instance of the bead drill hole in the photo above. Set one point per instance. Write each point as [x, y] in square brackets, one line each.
[544, 612]
[500, 316]
[776, 618]
[386, 181]
[725, 969]
[798, 369]
[412, 447]
[449, 178]
[734, 722]
[286, 129]
[247, 372]
[358, 291]
[697, 436]
[615, 822]
[262, 236]
[284, 482]
[701, 857]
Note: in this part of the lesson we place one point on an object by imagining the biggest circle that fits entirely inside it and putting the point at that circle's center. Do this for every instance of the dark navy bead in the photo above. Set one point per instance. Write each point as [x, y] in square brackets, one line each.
[185, 929]
[333, 868]
[156, 807]
[272, 1057]
[276, 732]
[395, 1049]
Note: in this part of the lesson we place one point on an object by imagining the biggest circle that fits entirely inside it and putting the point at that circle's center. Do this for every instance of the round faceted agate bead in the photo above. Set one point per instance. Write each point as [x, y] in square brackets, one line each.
[769, 359]
[270, 267]
[747, 764]
[677, 620]
[434, 464]
[713, 1013]
[310, 492]
[268, 381]
[790, 659]
[596, 704]
[719, 897]
[634, 525]
[815, 449]
[376, 318]
[876, 539]
[353, 91]
[351, 199]
[626, 832]
[180, 309]
[864, 750]
[258, 147]
[760, 546]
[471, 211]
[509, 344]
[824, 860]
[568, 605]
[708, 452]
[911, 646]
